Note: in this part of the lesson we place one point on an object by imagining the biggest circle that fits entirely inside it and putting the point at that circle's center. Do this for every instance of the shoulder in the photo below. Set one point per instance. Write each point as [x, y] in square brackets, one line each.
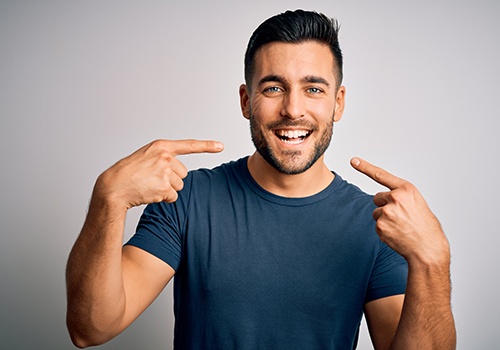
[205, 183]
[221, 171]
[350, 196]
[204, 180]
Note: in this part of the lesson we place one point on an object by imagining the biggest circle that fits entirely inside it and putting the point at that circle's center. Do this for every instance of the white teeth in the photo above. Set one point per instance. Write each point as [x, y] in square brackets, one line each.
[293, 134]
[292, 137]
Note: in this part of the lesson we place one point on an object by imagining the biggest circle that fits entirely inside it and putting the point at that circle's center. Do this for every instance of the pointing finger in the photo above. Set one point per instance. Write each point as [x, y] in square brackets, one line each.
[377, 174]
[180, 147]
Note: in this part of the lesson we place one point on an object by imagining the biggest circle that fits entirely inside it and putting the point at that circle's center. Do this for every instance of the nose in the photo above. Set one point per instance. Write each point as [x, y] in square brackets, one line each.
[293, 105]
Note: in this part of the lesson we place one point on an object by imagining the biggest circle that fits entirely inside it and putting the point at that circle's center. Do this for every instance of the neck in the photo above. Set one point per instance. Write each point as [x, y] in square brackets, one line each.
[312, 181]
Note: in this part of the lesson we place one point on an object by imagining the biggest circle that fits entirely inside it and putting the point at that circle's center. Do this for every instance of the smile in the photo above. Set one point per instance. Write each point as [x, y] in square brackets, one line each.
[292, 137]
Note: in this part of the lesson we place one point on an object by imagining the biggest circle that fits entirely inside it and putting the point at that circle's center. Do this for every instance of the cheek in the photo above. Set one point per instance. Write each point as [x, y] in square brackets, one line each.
[266, 107]
[325, 114]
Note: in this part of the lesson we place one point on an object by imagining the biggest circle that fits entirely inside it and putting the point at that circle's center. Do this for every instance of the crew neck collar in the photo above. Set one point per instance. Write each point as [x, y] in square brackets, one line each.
[294, 201]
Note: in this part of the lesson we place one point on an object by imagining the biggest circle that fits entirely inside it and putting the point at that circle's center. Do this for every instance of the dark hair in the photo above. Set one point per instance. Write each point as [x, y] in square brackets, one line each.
[295, 27]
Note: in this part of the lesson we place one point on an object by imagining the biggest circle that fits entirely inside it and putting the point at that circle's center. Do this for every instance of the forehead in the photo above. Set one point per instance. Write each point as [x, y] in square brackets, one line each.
[295, 61]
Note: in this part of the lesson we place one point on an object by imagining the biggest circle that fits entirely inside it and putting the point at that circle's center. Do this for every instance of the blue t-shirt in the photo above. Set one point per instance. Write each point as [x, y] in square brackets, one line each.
[258, 271]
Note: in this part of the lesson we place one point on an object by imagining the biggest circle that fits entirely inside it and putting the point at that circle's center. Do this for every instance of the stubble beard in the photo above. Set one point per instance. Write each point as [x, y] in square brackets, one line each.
[290, 162]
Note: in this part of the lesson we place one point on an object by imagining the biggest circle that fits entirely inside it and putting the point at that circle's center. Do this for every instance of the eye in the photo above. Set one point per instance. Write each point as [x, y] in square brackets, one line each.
[314, 90]
[273, 89]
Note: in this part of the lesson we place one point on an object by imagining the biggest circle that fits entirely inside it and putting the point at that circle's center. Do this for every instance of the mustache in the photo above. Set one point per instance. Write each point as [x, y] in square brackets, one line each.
[286, 123]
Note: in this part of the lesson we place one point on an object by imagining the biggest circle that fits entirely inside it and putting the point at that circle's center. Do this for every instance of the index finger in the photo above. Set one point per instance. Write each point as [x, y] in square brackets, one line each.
[179, 147]
[377, 174]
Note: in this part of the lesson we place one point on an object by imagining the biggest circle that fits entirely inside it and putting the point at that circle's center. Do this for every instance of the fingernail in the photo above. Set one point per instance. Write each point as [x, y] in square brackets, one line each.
[355, 161]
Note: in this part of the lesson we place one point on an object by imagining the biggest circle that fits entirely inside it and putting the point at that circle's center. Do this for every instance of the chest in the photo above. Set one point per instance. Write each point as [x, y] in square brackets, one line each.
[260, 251]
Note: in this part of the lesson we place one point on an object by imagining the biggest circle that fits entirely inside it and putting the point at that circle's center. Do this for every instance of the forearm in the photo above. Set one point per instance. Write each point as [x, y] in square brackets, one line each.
[426, 319]
[95, 291]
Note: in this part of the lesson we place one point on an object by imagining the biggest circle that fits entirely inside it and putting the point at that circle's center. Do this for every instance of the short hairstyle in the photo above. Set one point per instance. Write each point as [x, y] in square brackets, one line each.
[295, 27]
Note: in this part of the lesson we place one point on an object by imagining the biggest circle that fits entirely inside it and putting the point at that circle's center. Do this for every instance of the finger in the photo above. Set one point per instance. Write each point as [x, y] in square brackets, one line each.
[377, 213]
[377, 174]
[179, 147]
[178, 168]
[176, 182]
[171, 196]
[381, 199]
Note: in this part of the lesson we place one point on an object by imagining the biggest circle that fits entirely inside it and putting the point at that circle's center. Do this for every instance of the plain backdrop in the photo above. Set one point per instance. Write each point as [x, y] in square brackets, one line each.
[85, 83]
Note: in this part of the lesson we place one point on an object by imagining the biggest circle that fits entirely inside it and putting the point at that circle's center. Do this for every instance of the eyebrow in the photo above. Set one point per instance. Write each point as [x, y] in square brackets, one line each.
[280, 79]
[315, 79]
[272, 78]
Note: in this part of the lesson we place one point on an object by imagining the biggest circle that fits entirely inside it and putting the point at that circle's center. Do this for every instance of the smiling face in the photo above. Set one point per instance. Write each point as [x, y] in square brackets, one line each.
[292, 104]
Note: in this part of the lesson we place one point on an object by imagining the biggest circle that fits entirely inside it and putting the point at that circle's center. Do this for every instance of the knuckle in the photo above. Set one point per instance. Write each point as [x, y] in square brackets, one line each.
[405, 194]
[407, 186]
[380, 228]
[395, 196]
[157, 199]
[390, 212]
[180, 185]
[156, 144]
[166, 190]
[413, 189]
[176, 184]
[379, 174]
[191, 145]
[182, 170]
[158, 148]
[164, 156]
[171, 197]
[183, 173]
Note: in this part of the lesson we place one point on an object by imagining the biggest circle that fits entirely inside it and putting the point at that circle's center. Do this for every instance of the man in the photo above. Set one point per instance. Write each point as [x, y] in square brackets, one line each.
[274, 250]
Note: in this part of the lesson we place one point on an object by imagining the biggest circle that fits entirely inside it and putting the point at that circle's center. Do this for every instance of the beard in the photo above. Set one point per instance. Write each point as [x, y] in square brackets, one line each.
[290, 162]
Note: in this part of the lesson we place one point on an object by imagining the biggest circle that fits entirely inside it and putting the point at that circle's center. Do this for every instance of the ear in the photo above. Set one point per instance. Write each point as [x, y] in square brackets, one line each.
[339, 104]
[245, 101]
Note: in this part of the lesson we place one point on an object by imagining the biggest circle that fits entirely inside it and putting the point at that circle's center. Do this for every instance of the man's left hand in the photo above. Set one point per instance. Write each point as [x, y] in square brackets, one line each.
[404, 220]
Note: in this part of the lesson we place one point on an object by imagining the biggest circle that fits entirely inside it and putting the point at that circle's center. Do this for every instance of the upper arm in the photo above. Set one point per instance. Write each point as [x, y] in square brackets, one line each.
[144, 277]
[382, 317]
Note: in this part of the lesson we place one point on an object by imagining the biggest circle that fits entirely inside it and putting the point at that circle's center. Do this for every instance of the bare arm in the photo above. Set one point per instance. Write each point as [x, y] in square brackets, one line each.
[427, 303]
[105, 282]
[406, 224]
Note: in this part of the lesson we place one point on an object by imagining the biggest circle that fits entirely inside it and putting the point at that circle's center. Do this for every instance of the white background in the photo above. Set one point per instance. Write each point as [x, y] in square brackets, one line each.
[84, 83]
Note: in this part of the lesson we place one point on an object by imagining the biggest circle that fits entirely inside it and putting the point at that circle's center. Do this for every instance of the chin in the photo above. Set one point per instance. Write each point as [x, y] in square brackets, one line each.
[293, 164]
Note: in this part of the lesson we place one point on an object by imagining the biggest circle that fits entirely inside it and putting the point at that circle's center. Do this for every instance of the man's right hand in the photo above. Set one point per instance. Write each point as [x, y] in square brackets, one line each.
[151, 174]
[105, 282]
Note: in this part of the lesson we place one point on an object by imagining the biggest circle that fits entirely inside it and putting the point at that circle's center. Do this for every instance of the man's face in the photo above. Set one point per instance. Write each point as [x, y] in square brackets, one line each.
[292, 104]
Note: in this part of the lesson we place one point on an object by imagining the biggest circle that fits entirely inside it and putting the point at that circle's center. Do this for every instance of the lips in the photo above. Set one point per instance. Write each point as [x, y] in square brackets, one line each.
[292, 136]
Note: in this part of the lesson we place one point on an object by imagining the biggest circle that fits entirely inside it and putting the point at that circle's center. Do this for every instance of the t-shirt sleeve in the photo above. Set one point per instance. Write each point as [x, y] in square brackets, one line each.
[388, 276]
[160, 228]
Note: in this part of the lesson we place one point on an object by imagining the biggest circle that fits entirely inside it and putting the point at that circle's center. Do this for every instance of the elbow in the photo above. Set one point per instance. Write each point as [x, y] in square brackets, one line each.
[79, 342]
[79, 337]
[88, 325]
[83, 340]
[82, 336]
